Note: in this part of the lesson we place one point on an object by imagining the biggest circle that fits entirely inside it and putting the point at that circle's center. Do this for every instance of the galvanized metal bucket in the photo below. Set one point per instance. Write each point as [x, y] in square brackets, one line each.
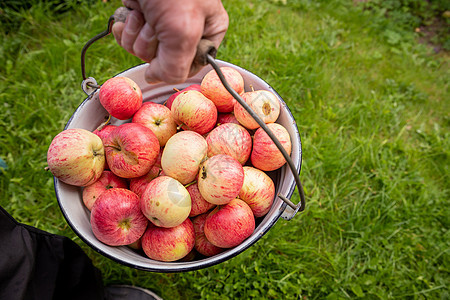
[90, 114]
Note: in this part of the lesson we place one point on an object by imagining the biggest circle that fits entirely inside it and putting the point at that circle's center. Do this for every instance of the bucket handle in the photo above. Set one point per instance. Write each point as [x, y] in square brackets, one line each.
[206, 53]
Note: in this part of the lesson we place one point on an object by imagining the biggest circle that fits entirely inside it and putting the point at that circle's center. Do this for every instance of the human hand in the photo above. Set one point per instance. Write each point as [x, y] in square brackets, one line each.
[166, 33]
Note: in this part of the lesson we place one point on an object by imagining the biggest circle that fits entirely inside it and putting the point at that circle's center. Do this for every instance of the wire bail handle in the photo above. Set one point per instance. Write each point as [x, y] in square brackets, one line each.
[206, 53]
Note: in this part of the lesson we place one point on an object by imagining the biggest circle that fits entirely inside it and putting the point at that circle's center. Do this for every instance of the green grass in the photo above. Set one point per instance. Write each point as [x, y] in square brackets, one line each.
[372, 107]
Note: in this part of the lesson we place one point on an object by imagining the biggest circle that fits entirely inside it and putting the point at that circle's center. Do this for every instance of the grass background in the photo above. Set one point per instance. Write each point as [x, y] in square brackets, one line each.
[372, 108]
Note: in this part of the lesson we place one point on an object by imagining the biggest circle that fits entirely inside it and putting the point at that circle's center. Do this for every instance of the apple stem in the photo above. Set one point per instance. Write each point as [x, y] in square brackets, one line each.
[176, 90]
[191, 183]
[104, 123]
[251, 87]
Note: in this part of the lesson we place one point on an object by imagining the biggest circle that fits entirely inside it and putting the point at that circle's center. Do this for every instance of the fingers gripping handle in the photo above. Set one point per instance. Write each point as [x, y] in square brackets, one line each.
[204, 47]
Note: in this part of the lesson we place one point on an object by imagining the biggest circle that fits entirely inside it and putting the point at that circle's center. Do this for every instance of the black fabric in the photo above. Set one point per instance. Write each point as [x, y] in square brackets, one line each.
[35, 264]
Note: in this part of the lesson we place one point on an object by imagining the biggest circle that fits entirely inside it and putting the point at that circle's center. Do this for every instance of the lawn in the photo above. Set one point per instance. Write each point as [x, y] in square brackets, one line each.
[372, 108]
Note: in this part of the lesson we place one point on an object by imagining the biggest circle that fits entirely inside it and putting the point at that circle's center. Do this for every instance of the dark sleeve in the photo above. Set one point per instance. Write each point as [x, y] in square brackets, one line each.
[35, 264]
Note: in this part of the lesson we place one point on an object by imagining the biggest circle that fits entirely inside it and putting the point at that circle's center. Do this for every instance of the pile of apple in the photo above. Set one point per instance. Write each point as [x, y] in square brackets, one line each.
[187, 176]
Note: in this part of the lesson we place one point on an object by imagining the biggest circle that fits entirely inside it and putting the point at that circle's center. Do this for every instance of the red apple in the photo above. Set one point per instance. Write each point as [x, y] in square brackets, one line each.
[169, 244]
[138, 184]
[231, 139]
[198, 204]
[158, 118]
[107, 180]
[166, 202]
[229, 225]
[116, 217]
[136, 245]
[223, 118]
[189, 257]
[105, 131]
[202, 245]
[264, 103]
[121, 97]
[193, 111]
[195, 87]
[265, 154]
[258, 191]
[76, 156]
[213, 88]
[131, 150]
[220, 179]
[182, 156]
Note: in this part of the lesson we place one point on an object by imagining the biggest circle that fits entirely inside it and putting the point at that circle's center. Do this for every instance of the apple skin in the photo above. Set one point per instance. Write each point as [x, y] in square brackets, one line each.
[229, 225]
[121, 97]
[182, 156]
[107, 180]
[258, 191]
[231, 139]
[264, 103]
[169, 244]
[223, 118]
[116, 217]
[165, 202]
[76, 156]
[198, 204]
[158, 118]
[138, 184]
[220, 179]
[265, 154]
[213, 88]
[202, 245]
[105, 131]
[131, 150]
[136, 245]
[169, 101]
[193, 111]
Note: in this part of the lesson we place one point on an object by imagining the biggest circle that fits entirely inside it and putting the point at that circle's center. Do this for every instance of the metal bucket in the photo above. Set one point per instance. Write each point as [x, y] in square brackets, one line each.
[90, 114]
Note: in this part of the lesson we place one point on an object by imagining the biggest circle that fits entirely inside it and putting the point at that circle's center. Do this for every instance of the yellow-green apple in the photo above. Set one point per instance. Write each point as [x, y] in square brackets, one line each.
[158, 118]
[76, 156]
[169, 244]
[202, 245]
[138, 184]
[121, 97]
[264, 103]
[220, 179]
[107, 180]
[198, 204]
[131, 150]
[265, 154]
[258, 191]
[229, 225]
[231, 139]
[116, 217]
[193, 111]
[166, 202]
[223, 118]
[169, 101]
[214, 89]
[182, 156]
